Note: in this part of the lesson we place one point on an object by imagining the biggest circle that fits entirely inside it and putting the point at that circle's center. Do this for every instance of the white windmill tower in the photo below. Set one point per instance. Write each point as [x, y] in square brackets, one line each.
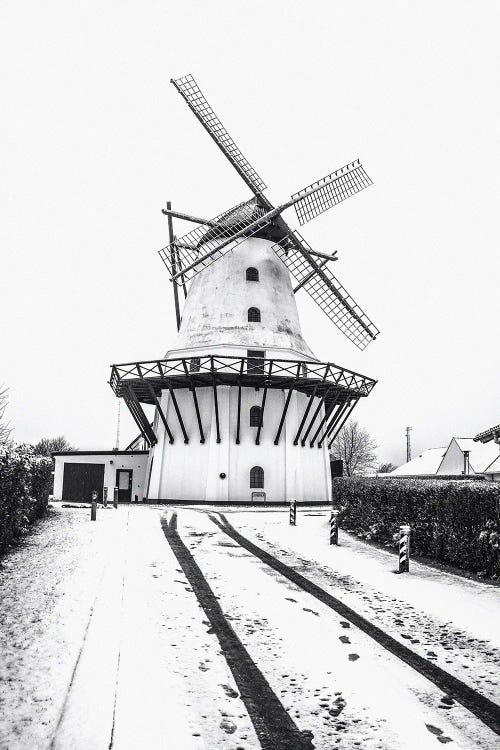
[243, 408]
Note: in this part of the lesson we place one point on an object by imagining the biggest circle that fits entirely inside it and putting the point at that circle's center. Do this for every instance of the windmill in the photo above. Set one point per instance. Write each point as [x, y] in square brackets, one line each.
[257, 217]
[240, 398]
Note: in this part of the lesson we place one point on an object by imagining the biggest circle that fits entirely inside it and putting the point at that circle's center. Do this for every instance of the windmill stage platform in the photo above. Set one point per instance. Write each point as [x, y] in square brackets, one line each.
[333, 389]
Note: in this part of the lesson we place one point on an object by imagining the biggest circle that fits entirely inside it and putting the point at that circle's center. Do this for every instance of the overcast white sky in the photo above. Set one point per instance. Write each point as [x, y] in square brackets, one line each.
[94, 140]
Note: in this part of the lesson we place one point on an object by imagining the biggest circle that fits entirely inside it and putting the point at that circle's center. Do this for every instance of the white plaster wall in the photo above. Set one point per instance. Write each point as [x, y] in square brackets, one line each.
[111, 462]
[192, 472]
[215, 318]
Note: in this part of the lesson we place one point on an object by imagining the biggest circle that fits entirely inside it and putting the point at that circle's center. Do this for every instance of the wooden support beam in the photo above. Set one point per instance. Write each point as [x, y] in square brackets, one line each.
[331, 425]
[177, 411]
[179, 265]
[285, 408]
[174, 266]
[238, 420]
[325, 419]
[160, 412]
[187, 217]
[216, 403]
[198, 416]
[308, 408]
[146, 427]
[263, 405]
[309, 276]
[342, 422]
[135, 417]
[192, 388]
[321, 401]
[306, 413]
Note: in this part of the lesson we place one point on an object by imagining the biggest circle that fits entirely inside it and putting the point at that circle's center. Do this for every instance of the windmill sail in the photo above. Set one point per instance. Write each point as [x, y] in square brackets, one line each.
[330, 190]
[190, 91]
[207, 243]
[327, 291]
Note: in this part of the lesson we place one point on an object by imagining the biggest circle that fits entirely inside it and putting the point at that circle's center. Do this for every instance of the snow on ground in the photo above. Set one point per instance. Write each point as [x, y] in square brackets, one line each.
[313, 658]
[102, 639]
[103, 642]
[451, 620]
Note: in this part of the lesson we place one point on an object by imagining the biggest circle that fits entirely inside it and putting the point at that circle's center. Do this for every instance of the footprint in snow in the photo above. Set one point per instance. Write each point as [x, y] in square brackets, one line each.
[344, 639]
[310, 610]
[353, 657]
[438, 733]
[229, 691]
[291, 600]
[228, 726]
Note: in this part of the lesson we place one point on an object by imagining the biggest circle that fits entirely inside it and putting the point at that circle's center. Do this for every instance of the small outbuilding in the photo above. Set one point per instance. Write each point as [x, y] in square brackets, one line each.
[78, 473]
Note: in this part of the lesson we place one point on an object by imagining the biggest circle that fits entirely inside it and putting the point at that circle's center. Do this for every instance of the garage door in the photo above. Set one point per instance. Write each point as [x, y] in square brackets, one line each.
[80, 480]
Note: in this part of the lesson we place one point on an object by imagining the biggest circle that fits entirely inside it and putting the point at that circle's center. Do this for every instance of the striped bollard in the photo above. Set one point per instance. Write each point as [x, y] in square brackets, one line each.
[293, 512]
[115, 497]
[334, 527]
[404, 549]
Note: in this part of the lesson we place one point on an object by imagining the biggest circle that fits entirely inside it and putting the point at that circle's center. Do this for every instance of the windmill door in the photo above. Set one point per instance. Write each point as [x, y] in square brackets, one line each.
[124, 484]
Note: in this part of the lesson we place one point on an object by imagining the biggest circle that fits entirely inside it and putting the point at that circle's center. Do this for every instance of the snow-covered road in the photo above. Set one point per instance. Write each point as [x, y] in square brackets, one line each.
[155, 628]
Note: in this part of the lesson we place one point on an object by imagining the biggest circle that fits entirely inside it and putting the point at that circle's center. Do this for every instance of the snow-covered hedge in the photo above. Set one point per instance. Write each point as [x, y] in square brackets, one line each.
[25, 484]
[456, 522]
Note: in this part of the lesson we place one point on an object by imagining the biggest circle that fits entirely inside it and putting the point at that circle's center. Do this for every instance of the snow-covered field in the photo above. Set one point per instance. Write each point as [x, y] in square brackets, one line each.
[121, 634]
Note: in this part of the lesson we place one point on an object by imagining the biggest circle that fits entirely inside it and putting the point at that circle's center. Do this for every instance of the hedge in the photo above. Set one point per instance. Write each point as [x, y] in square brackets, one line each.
[25, 484]
[452, 522]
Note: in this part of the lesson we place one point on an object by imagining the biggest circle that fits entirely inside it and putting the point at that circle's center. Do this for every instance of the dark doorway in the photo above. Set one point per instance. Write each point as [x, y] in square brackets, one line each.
[124, 484]
[80, 480]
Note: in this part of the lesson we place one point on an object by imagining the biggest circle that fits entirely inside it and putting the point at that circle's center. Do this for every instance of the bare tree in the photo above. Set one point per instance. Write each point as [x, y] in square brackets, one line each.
[5, 428]
[47, 446]
[386, 468]
[356, 448]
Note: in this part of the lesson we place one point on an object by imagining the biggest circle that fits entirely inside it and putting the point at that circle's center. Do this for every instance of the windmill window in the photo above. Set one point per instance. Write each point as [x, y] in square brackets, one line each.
[253, 315]
[194, 364]
[255, 416]
[252, 274]
[257, 477]
[255, 362]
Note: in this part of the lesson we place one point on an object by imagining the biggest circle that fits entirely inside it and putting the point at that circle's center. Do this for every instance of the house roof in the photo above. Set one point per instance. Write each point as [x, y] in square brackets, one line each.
[481, 455]
[494, 467]
[424, 464]
[487, 435]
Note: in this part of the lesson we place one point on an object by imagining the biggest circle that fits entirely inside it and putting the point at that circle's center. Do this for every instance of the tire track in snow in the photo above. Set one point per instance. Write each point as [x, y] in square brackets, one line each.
[274, 727]
[484, 709]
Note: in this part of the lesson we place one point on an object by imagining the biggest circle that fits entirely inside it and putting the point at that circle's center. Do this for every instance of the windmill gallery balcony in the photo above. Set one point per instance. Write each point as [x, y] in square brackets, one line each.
[331, 393]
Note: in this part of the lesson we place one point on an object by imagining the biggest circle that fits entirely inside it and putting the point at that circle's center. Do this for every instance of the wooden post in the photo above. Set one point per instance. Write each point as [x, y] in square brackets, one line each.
[93, 506]
[174, 268]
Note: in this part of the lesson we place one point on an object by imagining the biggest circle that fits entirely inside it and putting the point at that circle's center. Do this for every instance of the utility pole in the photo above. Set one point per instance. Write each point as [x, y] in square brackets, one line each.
[408, 444]
[117, 446]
